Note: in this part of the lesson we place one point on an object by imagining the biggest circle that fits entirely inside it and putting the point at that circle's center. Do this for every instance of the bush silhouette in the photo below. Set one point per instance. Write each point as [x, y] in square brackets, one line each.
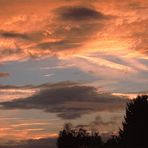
[112, 142]
[78, 138]
[134, 132]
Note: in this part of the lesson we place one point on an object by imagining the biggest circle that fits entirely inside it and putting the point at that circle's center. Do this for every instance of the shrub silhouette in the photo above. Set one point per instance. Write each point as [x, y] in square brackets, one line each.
[112, 142]
[134, 132]
[73, 138]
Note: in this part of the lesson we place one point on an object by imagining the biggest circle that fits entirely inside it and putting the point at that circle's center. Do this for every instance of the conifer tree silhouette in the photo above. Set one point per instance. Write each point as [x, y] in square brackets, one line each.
[134, 132]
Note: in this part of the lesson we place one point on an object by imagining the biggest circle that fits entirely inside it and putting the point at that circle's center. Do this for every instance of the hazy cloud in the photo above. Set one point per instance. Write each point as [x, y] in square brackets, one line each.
[32, 143]
[40, 143]
[99, 122]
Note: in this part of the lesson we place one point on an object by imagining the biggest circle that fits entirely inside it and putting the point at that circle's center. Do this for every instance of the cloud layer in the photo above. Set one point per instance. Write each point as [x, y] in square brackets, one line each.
[69, 101]
[93, 42]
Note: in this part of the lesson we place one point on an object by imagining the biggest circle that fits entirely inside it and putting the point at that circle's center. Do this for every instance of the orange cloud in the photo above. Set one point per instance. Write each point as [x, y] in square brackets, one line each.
[4, 74]
[117, 25]
[18, 129]
[15, 93]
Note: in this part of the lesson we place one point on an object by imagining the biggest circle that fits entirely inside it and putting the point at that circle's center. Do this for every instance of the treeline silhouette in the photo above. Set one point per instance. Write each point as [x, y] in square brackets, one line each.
[132, 134]
[80, 138]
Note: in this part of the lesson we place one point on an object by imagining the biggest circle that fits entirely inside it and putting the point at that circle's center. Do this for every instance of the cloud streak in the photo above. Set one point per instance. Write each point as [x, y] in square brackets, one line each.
[13, 35]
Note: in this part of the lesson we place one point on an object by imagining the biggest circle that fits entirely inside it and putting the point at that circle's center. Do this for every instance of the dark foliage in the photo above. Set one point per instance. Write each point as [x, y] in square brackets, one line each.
[112, 142]
[134, 132]
[73, 138]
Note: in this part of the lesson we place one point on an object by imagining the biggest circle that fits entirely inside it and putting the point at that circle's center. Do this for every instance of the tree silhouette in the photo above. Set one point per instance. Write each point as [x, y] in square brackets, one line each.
[111, 142]
[78, 138]
[134, 132]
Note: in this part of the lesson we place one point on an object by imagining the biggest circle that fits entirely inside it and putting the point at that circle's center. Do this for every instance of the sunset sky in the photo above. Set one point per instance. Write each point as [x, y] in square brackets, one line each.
[75, 61]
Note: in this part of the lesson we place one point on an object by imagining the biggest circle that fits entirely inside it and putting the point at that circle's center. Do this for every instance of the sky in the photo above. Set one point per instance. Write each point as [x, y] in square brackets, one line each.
[76, 61]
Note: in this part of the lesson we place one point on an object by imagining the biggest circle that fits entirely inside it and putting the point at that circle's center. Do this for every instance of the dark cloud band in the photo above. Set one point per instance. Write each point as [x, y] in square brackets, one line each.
[80, 13]
[69, 101]
[17, 35]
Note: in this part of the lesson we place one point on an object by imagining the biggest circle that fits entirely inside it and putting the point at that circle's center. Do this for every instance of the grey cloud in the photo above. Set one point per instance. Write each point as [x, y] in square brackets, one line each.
[80, 13]
[56, 85]
[69, 101]
[14, 35]
[98, 121]
[41, 86]
[60, 45]
[12, 87]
